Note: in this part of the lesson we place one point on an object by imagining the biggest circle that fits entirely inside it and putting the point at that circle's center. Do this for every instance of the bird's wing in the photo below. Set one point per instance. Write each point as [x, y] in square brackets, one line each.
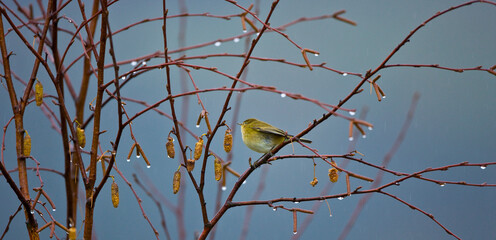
[272, 130]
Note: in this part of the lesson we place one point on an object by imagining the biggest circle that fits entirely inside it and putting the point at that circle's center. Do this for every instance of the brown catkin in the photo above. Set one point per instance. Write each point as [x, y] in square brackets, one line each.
[190, 165]
[81, 136]
[114, 190]
[38, 93]
[176, 182]
[228, 141]
[170, 147]
[218, 169]
[333, 175]
[198, 149]
[27, 145]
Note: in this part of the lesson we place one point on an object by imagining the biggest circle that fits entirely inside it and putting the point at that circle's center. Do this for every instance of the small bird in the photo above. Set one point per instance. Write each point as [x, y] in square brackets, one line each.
[262, 137]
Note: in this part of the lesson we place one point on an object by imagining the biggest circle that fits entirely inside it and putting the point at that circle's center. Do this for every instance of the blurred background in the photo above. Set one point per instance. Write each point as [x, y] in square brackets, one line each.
[454, 120]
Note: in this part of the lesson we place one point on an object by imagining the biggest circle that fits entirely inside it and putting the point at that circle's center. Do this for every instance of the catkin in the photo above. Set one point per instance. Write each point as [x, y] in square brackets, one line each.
[176, 182]
[170, 147]
[228, 141]
[218, 169]
[314, 182]
[333, 175]
[114, 190]
[38, 93]
[190, 165]
[27, 145]
[198, 149]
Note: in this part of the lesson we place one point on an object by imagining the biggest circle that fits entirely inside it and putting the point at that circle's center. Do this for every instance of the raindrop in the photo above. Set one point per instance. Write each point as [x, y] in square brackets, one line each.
[350, 138]
[128, 160]
[274, 209]
[53, 210]
[144, 63]
[316, 54]
[442, 184]
[134, 63]
[41, 214]
[197, 125]
[236, 40]
[352, 113]
[80, 147]
[364, 136]
[296, 202]
[345, 74]
[283, 95]
[340, 198]
[32, 211]
[123, 78]
[138, 156]
[148, 166]
[330, 215]
[371, 128]
[383, 96]
[483, 167]
[295, 233]
[224, 188]
[70, 21]
[244, 182]
[258, 34]
[217, 43]
[397, 183]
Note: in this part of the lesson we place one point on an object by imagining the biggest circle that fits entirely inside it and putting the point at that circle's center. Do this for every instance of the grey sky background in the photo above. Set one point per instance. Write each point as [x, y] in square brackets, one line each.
[454, 120]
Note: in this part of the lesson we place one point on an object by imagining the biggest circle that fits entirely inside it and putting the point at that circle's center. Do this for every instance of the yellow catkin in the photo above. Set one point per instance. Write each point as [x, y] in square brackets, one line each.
[218, 169]
[314, 182]
[190, 165]
[176, 182]
[114, 190]
[228, 141]
[27, 144]
[38, 93]
[81, 137]
[333, 175]
[72, 233]
[170, 147]
[198, 149]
